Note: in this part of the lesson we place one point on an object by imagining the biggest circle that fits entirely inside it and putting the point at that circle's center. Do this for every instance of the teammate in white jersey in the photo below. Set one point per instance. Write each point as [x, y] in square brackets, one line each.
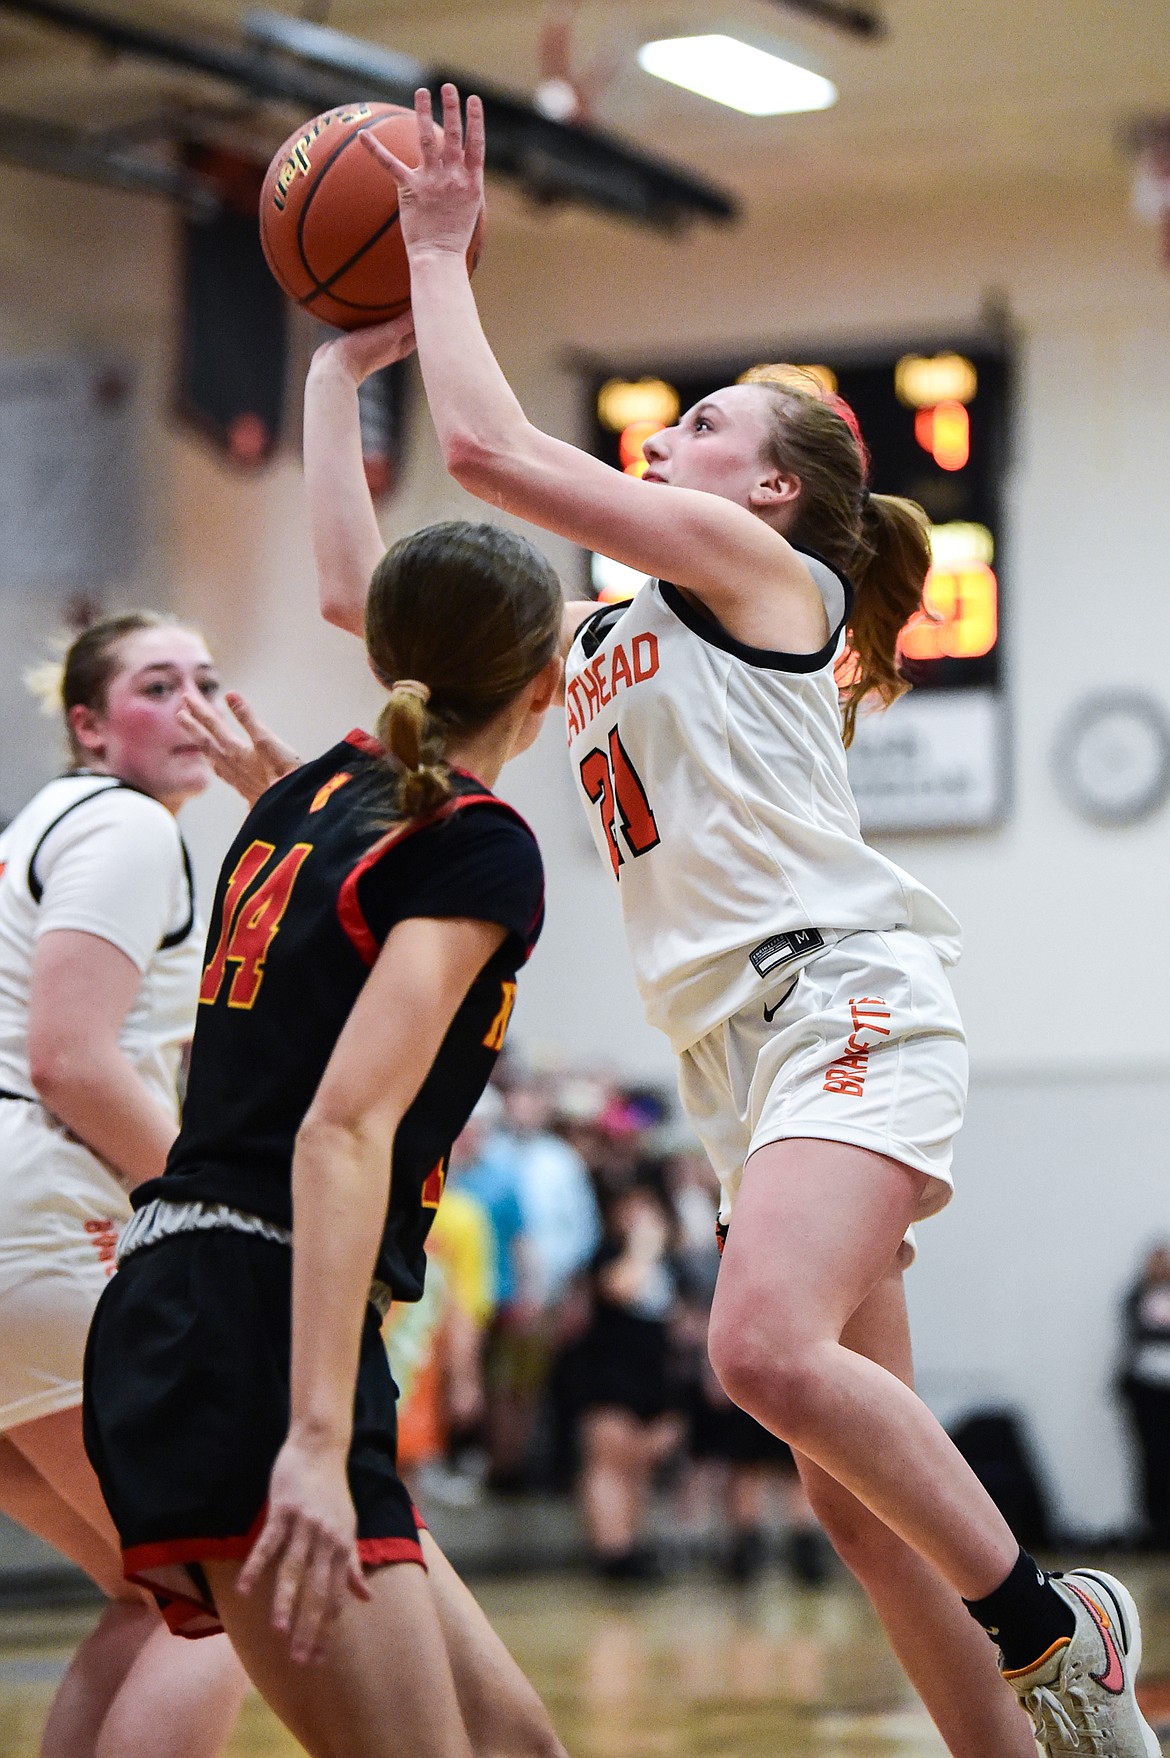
[100, 953]
[798, 973]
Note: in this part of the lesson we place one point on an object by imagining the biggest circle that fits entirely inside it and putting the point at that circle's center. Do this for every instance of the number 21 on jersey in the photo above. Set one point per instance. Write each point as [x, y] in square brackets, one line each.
[250, 920]
[613, 784]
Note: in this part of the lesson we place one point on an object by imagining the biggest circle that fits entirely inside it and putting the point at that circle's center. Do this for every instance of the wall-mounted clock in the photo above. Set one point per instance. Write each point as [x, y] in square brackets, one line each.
[1112, 756]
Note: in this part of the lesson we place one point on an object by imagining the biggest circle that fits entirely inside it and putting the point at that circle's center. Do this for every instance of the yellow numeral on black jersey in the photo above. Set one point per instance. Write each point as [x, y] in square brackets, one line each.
[250, 921]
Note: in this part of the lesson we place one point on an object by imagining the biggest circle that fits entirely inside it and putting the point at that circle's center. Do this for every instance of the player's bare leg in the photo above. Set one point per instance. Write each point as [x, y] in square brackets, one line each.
[947, 1657]
[131, 1690]
[29, 1499]
[95, 1674]
[621, 1454]
[612, 1471]
[178, 1699]
[815, 1228]
[384, 1687]
[502, 1713]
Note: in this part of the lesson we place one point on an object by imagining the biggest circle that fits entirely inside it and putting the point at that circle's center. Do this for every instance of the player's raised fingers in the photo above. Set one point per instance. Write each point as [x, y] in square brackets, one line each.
[452, 125]
[474, 145]
[207, 734]
[202, 712]
[196, 733]
[401, 173]
[428, 140]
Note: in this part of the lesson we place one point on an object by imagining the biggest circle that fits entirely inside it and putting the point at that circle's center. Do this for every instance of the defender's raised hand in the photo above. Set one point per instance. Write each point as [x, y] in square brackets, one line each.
[441, 199]
[247, 756]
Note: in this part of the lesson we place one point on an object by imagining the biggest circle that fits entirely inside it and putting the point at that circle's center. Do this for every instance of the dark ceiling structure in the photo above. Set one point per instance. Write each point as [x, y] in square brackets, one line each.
[855, 21]
[280, 61]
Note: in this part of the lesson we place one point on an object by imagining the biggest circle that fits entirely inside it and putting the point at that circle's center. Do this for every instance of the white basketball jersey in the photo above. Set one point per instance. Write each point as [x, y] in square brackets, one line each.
[714, 778]
[91, 854]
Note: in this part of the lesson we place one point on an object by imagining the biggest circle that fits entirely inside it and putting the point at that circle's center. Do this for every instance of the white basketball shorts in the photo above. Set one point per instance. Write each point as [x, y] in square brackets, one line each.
[864, 1046]
[60, 1216]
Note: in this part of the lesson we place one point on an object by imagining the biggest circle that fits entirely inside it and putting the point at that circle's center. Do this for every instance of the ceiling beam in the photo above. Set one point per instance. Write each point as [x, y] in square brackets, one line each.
[69, 152]
[855, 21]
[551, 161]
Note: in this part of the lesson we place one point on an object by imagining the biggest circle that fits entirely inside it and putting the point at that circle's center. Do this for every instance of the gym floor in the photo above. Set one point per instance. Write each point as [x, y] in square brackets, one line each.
[694, 1670]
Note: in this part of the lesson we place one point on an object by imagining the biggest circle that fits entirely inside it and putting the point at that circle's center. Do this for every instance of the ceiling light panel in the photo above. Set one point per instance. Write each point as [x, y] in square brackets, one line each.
[734, 73]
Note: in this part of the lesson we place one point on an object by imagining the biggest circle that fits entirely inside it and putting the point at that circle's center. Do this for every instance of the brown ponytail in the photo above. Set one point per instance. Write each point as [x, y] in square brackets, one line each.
[879, 541]
[460, 617]
[888, 573]
[416, 748]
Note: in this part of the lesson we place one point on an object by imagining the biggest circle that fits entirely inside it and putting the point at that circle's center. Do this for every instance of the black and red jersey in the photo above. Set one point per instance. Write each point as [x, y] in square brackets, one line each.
[311, 887]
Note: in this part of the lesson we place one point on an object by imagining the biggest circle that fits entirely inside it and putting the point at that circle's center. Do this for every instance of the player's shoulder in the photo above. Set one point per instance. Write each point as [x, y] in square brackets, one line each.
[475, 814]
[358, 753]
[473, 831]
[310, 787]
[78, 807]
[596, 626]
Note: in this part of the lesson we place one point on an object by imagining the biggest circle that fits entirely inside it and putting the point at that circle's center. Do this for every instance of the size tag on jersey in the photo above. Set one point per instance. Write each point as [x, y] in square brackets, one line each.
[771, 955]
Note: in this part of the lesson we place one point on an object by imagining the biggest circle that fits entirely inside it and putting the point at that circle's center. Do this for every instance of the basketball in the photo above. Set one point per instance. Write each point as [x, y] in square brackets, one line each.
[329, 216]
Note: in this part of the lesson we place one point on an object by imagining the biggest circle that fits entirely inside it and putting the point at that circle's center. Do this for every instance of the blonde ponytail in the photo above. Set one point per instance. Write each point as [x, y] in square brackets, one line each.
[46, 681]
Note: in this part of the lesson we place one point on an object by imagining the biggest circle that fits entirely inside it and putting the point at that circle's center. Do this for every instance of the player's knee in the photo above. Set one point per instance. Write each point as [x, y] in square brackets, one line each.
[773, 1381]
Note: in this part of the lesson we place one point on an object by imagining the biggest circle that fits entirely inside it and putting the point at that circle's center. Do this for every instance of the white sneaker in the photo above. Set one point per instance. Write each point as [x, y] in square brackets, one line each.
[1079, 1696]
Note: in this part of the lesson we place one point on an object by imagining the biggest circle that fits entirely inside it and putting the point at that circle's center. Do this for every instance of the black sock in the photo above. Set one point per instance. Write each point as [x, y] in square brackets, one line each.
[1024, 1616]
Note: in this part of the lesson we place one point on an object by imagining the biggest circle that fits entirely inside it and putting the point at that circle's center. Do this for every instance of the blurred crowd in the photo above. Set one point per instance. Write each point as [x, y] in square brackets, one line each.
[561, 1343]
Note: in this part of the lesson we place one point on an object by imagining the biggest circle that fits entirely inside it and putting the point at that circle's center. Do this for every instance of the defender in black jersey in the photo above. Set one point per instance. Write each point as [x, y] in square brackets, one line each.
[309, 891]
[368, 928]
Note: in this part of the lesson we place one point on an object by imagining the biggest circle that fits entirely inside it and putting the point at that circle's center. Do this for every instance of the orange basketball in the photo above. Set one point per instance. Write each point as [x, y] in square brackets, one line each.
[329, 217]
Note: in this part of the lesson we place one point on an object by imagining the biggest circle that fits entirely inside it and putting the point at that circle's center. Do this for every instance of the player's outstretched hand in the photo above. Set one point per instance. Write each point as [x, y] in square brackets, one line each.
[440, 199]
[246, 755]
[361, 352]
[309, 1541]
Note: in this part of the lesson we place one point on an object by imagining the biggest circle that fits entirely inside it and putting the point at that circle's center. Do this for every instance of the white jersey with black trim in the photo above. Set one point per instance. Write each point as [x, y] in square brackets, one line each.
[714, 778]
[95, 855]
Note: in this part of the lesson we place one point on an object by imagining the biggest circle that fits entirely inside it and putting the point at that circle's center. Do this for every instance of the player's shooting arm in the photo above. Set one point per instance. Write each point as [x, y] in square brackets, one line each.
[347, 544]
[731, 560]
[744, 572]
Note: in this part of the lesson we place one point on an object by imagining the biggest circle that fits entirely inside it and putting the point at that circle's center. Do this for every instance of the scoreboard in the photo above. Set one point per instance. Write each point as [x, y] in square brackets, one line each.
[935, 419]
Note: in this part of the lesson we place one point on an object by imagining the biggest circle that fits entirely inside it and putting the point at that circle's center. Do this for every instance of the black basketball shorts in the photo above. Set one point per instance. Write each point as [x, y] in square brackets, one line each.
[187, 1405]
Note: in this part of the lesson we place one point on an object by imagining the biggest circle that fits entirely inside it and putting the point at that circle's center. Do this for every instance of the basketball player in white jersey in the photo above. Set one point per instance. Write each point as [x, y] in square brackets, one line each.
[798, 974]
[100, 952]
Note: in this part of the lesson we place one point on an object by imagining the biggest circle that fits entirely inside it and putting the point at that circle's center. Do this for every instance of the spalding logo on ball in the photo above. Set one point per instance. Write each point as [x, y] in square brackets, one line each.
[329, 216]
